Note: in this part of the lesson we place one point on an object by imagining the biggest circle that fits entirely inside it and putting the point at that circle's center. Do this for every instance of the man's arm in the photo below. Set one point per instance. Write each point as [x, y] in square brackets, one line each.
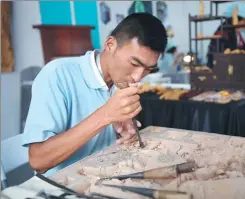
[122, 106]
[52, 152]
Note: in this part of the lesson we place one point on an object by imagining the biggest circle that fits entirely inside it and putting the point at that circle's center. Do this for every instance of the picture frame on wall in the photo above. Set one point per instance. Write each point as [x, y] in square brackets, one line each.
[105, 13]
[140, 6]
[119, 18]
[7, 53]
[162, 9]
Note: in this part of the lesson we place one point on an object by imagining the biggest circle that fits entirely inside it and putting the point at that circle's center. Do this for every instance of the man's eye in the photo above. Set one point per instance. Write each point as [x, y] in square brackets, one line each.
[134, 64]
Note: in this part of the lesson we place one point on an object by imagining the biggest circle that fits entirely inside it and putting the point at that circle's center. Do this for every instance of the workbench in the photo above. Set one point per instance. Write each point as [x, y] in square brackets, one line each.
[176, 146]
[220, 160]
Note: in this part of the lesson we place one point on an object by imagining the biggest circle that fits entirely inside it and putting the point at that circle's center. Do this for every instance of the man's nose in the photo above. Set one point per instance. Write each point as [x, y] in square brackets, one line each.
[139, 74]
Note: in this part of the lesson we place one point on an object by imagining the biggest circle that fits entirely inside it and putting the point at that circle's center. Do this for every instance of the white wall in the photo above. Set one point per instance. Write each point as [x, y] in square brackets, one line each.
[116, 7]
[27, 52]
[178, 12]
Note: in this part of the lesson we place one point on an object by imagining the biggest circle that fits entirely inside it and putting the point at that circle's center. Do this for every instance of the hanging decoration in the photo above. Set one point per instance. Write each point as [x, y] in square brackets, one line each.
[105, 13]
[162, 10]
[119, 18]
[140, 6]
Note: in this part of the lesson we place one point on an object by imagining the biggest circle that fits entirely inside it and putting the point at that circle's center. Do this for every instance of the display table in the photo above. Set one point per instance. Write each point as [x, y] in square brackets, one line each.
[225, 119]
[163, 147]
[178, 77]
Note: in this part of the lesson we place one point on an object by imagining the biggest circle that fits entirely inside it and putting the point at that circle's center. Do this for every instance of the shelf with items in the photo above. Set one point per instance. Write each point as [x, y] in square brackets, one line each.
[219, 2]
[197, 37]
[234, 26]
[216, 3]
[207, 37]
[197, 18]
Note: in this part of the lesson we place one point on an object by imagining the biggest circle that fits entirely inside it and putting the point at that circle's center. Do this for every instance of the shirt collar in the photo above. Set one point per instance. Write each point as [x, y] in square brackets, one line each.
[91, 72]
[97, 61]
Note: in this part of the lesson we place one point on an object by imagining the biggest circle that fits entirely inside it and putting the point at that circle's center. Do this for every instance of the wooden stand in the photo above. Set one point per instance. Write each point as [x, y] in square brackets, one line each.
[228, 73]
[64, 40]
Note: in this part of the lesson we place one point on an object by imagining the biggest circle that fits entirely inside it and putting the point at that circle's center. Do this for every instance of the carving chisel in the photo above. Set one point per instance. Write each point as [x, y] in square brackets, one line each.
[159, 173]
[122, 85]
[154, 193]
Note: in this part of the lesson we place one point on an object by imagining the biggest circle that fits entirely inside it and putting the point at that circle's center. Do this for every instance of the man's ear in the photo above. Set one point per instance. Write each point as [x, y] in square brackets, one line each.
[110, 44]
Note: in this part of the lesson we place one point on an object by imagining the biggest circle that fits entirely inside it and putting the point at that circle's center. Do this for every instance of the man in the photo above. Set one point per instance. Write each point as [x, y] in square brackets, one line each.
[72, 112]
[167, 61]
[171, 60]
[232, 38]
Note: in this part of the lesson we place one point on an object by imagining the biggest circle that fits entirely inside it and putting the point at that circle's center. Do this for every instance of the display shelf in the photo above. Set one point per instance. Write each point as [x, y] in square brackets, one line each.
[219, 2]
[198, 18]
[216, 3]
[209, 17]
[234, 26]
[207, 38]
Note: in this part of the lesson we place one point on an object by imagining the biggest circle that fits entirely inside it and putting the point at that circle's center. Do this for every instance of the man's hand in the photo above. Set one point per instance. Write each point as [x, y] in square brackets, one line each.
[123, 105]
[127, 131]
[119, 111]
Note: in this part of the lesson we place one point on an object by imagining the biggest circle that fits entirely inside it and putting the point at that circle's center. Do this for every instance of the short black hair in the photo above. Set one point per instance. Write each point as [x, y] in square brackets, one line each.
[172, 50]
[148, 29]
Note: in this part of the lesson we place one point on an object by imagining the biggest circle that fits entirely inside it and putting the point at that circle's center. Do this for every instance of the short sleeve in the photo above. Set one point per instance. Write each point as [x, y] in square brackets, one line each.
[47, 114]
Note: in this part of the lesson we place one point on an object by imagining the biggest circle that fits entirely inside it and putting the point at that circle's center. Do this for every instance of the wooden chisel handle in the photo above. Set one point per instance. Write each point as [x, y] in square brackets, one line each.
[163, 195]
[171, 171]
[161, 173]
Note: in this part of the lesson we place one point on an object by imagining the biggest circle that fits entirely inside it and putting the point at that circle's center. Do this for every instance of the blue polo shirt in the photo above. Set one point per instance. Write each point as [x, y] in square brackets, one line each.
[64, 93]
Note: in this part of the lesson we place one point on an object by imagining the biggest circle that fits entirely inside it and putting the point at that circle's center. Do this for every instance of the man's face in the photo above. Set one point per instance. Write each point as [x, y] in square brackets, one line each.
[241, 29]
[241, 21]
[129, 61]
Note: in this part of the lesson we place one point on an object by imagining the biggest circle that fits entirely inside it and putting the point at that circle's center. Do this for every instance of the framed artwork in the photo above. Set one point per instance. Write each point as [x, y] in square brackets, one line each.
[7, 54]
[119, 18]
[140, 6]
[162, 10]
[105, 13]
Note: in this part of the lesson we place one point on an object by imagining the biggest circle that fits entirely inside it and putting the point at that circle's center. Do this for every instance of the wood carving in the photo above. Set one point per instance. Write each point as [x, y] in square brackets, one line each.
[7, 54]
[216, 166]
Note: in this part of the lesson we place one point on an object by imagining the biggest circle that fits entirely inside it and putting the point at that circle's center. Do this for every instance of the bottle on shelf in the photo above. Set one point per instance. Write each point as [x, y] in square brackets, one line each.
[201, 9]
[235, 17]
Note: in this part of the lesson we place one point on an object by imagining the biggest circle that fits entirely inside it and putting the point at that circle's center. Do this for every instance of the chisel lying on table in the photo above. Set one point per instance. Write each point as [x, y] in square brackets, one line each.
[159, 173]
[102, 196]
[154, 193]
[67, 191]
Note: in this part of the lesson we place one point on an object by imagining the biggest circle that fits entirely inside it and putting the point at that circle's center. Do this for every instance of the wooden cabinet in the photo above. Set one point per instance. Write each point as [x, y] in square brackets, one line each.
[65, 40]
[230, 68]
[228, 73]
